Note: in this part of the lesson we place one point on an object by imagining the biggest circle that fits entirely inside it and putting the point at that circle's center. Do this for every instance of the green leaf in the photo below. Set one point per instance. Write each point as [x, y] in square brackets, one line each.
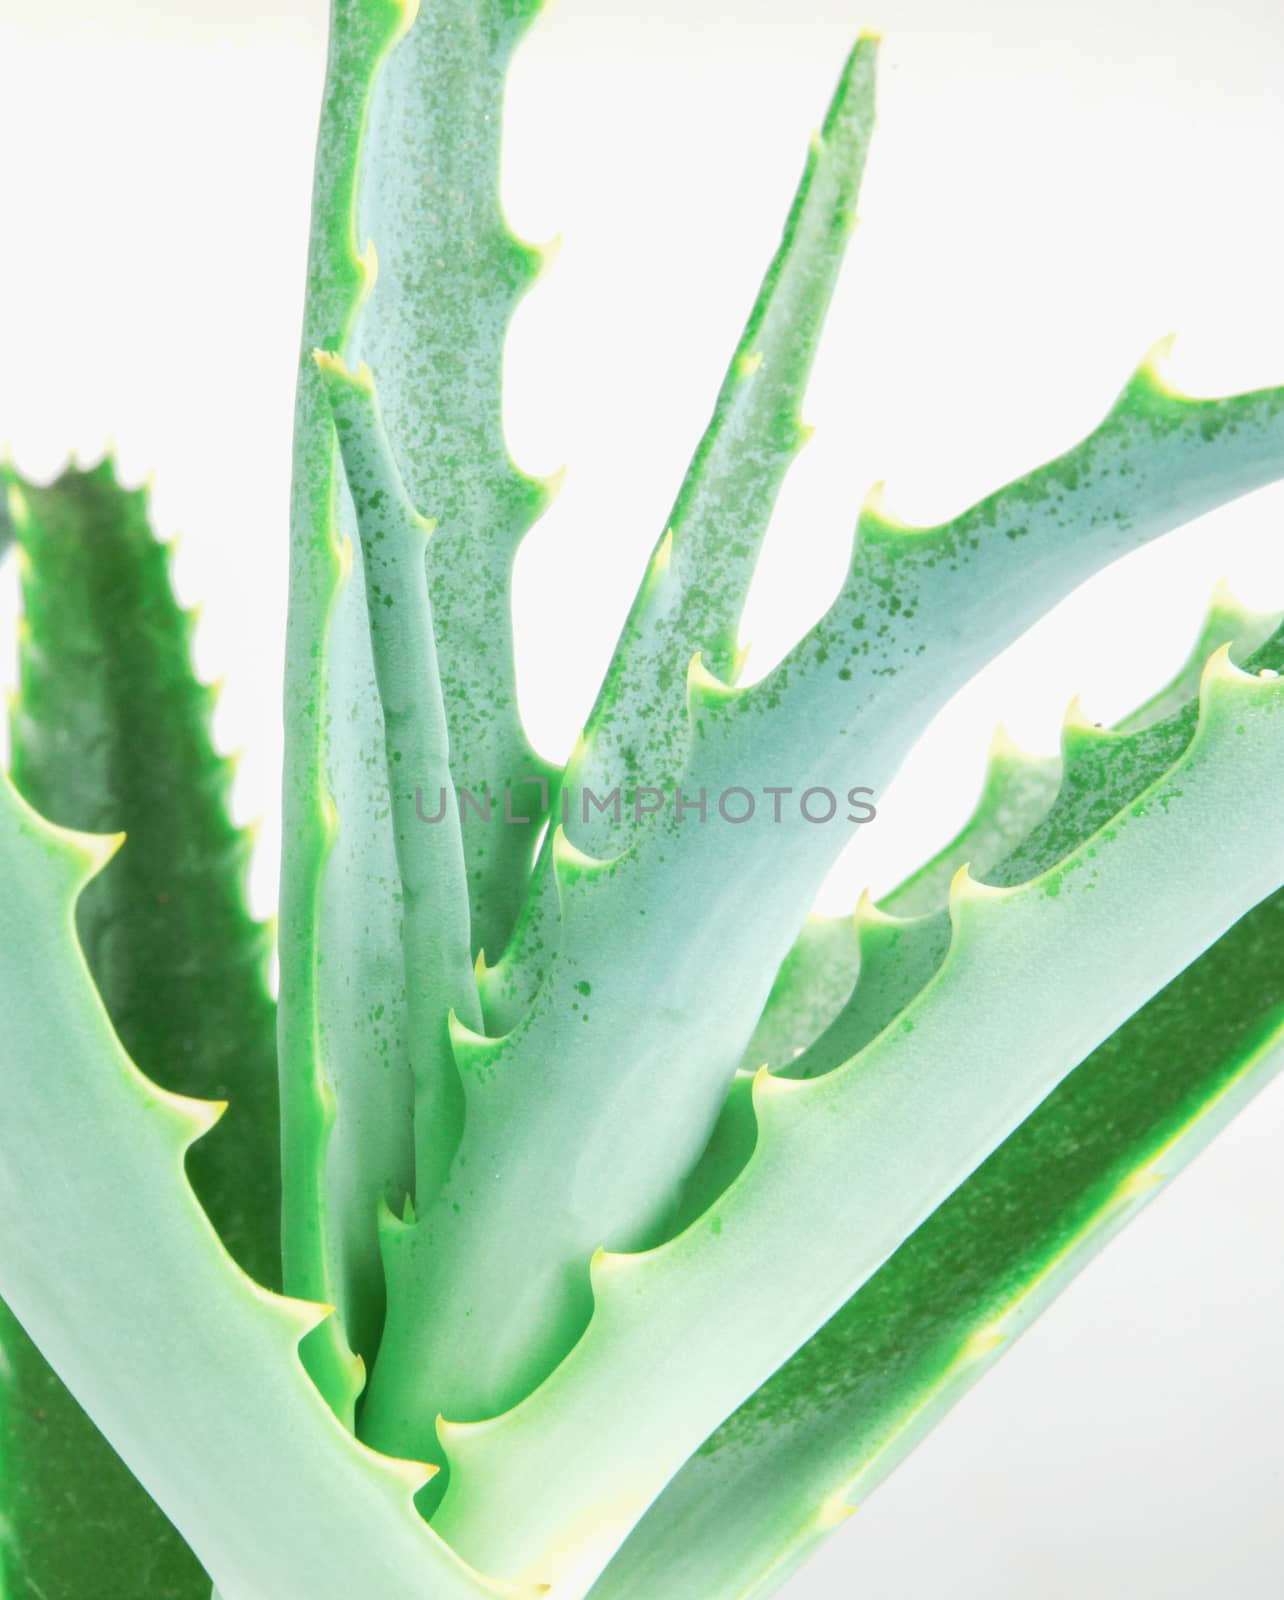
[111, 1265]
[110, 730]
[1227, 622]
[818, 975]
[430, 858]
[703, 915]
[782, 1471]
[342, 986]
[847, 1166]
[694, 589]
[830, 1425]
[408, 166]
[433, 330]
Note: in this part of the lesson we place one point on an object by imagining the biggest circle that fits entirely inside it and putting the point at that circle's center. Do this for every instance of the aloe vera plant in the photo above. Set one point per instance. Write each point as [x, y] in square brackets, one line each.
[584, 1217]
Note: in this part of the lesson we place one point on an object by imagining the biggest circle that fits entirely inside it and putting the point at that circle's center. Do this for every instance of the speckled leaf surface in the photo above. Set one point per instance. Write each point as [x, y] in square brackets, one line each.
[704, 914]
[815, 1214]
[786, 1469]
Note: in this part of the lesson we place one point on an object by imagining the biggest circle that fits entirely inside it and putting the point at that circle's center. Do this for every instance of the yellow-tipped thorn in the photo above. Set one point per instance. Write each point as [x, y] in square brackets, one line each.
[834, 1511]
[702, 682]
[409, 11]
[874, 512]
[462, 1036]
[1076, 719]
[19, 509]
[346, 557]
[1003, 747]
[983, 1343]
[1220, 672]
[333, 366]
[767, 1083]
[965, 890]
[551, 485]
[548, 253]
[369, 263]
[1139, 1183]
[748, 362]
[569, 858]
[663, 554]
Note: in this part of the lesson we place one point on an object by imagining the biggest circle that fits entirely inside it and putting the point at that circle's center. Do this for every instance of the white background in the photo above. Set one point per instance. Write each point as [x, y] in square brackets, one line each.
[1054, 187]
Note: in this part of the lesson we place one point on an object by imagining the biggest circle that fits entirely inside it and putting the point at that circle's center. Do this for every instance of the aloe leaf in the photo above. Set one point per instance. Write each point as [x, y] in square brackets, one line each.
[1017, 791]
[785, 1468]
[107, 1250]
[430, 858]
[703, 915]
[694, 589]
[450, 276]
[847, 1166]
[1101, 771]
[111, 729]
[408, 164]
[822, 1433]
[342, 987]
[1228, 622]
[814, 981]
[817, 977]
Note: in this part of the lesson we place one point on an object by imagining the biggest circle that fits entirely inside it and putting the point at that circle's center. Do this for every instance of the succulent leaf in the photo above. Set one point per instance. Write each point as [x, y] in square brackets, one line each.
[694, 589]
[848, 1165]
[820, 1435]
[439, 979]
[704, 914]
[1228, 622]
[450, 276]
[341, 1032]
[408, 159]
[278, 1498]
[1099, 771]
[110, 729]
[906, 1346]
[818, 975]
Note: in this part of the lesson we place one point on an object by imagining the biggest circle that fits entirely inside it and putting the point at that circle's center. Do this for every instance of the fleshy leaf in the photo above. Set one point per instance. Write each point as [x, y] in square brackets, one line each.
[407, 167]
[847, 1166]
[450, 276]
[703, 912]
[763, 1490]
[694, 588]
[439, 978]
[110, 729]
[107, 1252]
[341, 1031]
[824, 1431]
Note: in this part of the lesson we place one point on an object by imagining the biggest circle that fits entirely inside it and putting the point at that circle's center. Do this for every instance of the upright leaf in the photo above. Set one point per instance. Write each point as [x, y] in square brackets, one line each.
[694, 589]
[407, 167]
